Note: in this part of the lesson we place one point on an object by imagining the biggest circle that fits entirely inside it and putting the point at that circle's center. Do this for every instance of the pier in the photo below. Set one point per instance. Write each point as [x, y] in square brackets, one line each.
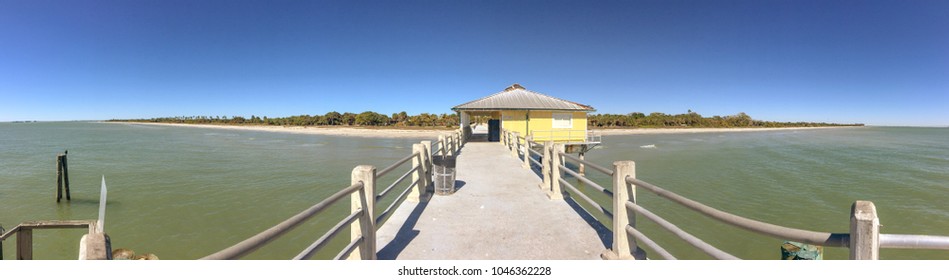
[504, 209]
[497, 212]
[520, 192]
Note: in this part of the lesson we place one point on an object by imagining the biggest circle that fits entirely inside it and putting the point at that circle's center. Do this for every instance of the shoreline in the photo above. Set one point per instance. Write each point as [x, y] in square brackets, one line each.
[314, 130]
[433, 133]
[643, 131]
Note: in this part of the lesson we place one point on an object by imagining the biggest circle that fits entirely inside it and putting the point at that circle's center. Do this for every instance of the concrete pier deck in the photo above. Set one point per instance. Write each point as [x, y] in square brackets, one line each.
[497, 212]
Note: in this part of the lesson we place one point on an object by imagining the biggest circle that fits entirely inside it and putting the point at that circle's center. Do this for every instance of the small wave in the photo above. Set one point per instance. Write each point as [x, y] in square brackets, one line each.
[650, 146]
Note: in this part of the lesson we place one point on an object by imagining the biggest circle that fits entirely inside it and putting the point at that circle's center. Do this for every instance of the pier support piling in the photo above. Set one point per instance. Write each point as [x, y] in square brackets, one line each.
[62, 178]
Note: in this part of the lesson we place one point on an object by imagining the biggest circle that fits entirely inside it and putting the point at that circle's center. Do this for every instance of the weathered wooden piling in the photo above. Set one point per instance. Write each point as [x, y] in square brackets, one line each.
[62, 177]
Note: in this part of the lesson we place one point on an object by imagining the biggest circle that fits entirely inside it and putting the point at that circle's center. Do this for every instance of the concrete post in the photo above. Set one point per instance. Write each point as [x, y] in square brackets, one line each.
[623, 246]
[527, 154]
[364, 199]
[95, 246]
[555, 192]
[419, 174]
[864, 231]
[515, 145]
[427, 163]
[545, 167]
[581, 169]
[504, 137]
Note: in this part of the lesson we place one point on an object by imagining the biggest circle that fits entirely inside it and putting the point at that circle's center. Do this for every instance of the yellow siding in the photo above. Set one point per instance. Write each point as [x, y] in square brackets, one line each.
[541, 124]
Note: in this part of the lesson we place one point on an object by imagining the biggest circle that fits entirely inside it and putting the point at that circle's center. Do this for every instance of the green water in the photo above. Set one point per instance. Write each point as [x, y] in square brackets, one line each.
[183, 193]
[803, 179]
[179, 192]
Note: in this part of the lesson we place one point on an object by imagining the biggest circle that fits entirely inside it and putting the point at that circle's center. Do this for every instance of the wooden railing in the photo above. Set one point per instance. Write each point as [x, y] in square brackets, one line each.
[24, 234]
[362, 220]
[863, 239]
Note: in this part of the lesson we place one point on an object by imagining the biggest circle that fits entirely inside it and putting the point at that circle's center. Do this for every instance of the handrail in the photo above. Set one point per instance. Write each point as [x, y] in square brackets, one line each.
[913, 241]
[335, 230]
[397, 181]
[349, 248]
[50, 224]
[535, 161]
[255, 242]
[532, 151]
[649, 243]
[793, 234]
[685, 236]
[586, 198]
[385, 214]
[587, 163]
[587, 182]
[395, 165]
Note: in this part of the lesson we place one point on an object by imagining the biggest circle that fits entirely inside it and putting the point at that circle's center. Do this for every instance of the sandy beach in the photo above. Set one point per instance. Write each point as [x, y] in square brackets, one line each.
[336, 131]
[433, 133]
[639, 131]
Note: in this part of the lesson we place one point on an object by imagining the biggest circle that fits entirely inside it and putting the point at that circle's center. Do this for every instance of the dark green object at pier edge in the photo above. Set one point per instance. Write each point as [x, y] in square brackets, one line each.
[791, 250]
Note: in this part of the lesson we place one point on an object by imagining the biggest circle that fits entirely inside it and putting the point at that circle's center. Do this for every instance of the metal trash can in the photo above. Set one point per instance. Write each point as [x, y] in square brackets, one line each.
[444, 174]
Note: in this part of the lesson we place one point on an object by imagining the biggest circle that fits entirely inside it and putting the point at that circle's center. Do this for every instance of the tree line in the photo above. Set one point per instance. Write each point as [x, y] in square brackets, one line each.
[402, 119]
[691, 119]
[367, 118]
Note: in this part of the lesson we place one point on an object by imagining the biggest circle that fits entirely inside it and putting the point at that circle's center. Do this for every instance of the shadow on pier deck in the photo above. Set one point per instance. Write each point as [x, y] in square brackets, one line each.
[497, 213]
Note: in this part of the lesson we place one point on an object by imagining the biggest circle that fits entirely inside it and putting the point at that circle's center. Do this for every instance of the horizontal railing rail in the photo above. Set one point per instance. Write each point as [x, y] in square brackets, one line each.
[793, 234]
[563, 136]
[24, 235]
[863, 240]
[913, 241]
[259, 240]
[362, 220]
[595, 166]
[681, 234]
[395, 165]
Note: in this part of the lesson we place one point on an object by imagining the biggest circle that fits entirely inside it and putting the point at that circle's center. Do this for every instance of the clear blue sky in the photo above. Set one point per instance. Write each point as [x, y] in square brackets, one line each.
[874, 62]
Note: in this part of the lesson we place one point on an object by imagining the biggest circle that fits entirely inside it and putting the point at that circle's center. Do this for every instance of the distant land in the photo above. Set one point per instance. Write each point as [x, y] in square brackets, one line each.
[425, 120]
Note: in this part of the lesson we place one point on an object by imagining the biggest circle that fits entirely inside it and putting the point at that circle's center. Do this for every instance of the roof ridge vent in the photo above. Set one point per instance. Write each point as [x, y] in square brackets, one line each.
[514, 86]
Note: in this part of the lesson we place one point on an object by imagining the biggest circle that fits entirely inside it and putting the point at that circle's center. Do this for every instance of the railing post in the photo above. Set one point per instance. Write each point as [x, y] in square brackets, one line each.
[418, 174]
[864, 231]
[458, 142]
[427, 163]
[504, 137]
[623, 246]
[555, 192]
[441, 146]
[545, 167]
[364, 199]
[514, 146]
[527, 154]
[24, 244]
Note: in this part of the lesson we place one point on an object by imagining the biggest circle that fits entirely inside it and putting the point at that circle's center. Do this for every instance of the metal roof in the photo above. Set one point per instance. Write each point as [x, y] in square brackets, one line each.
[516, 97]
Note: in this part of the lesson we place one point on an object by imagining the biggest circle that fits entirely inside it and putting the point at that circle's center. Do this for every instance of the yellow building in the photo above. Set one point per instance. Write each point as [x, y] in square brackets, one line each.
[526, 112]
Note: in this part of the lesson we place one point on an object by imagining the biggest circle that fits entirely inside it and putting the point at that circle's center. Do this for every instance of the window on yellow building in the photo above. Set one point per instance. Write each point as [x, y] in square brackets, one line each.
[562, 120]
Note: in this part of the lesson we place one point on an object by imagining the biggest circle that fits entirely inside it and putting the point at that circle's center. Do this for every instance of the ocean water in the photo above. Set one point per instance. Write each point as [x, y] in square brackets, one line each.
[804, 179]
[184, 193]
[180, 192]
